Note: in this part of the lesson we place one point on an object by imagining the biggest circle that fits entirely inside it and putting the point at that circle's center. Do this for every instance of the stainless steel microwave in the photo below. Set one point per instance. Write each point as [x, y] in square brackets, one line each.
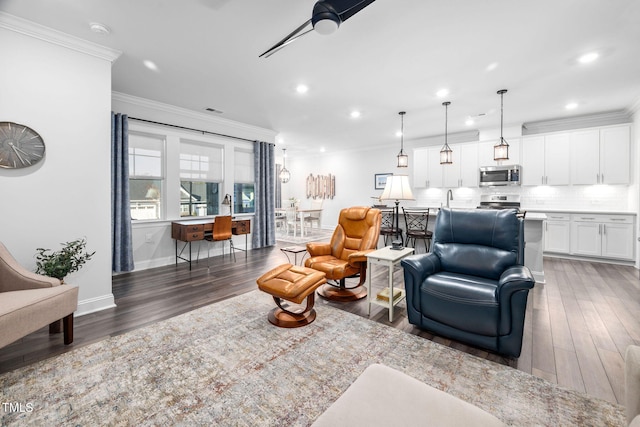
[491, 176]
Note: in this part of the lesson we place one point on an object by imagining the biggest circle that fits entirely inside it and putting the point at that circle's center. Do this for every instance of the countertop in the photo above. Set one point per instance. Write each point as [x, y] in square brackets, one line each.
[579, 211]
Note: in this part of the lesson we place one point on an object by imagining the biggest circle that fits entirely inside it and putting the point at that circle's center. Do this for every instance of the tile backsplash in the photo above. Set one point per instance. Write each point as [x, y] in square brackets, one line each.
[572, 197]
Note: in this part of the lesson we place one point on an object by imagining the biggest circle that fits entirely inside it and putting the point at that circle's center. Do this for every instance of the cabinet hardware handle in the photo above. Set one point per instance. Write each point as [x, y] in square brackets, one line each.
[604, 228]
[597, 178]
[602, 179]
[617, 219]
[586, 217]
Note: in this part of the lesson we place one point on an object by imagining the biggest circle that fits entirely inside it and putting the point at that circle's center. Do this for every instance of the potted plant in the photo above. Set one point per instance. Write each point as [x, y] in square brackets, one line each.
[59, 264]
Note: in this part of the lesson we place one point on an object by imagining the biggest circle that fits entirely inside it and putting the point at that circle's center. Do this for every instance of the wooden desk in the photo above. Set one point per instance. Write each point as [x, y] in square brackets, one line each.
[194, 230]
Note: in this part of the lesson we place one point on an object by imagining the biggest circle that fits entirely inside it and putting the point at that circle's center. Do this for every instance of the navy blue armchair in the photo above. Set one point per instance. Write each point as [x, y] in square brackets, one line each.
[473, 286]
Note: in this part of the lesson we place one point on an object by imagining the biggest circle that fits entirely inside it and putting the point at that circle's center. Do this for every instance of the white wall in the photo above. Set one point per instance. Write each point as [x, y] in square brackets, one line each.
[64, 95]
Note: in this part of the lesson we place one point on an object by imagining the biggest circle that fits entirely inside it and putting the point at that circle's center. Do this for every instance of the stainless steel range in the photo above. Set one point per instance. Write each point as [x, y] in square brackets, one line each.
[500, 201]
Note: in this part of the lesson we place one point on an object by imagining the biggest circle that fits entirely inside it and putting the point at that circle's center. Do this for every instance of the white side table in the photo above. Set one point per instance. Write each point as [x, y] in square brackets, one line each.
[390, 258]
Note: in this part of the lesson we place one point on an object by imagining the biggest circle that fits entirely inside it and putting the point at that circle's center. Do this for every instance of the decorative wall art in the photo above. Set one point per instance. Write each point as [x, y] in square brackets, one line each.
[380, 180]
[321, 186]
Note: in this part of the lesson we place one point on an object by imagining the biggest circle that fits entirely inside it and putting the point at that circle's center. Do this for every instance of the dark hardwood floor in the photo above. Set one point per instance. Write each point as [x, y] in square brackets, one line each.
[578, 323]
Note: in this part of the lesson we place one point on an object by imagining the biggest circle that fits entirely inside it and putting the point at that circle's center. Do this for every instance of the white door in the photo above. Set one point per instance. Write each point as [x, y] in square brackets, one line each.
[585, 157]
[533, 160]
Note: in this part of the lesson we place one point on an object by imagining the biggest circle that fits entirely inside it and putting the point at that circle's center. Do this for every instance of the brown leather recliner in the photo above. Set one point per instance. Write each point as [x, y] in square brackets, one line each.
[355, 236]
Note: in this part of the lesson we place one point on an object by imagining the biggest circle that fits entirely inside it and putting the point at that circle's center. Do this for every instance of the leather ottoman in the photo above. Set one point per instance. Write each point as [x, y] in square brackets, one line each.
[295, 284]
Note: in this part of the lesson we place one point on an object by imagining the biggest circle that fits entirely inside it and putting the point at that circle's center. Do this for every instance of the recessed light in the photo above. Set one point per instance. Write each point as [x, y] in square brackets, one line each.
[150, 65]
[99, 28]
[322, 150]
[469, 122]
[588, 57]
[399, 133]
[302, 88]
[492, 66]
[355, 114]
[442, 93]
[571, 106]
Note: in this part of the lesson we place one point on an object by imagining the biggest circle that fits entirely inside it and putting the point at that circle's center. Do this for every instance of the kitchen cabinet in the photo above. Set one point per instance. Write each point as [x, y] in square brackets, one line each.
[427, 170]
[485, 153]
[606, 236]
[557, 229]
[600, 156]
[463, 172]
[545, 159]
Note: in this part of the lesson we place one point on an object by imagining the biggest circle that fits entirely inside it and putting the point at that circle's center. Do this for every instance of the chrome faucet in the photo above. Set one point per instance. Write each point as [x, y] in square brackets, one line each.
[449, 196]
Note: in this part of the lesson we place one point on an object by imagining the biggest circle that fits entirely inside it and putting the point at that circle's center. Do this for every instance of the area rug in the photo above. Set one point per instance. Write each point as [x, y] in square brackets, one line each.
[312, 235]
[225, 365]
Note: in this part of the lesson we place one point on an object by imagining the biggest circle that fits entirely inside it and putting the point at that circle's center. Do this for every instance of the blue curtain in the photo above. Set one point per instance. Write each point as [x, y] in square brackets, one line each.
[121, 244]
[264, 224]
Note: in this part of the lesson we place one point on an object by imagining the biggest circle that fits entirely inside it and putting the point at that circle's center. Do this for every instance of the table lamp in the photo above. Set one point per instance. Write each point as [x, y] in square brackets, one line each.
[227, 201]
[397, 188]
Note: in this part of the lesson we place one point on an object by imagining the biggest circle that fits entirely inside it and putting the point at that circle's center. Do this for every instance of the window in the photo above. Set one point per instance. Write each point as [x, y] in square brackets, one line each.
[146, 175]
[243, 186]
[200, 177]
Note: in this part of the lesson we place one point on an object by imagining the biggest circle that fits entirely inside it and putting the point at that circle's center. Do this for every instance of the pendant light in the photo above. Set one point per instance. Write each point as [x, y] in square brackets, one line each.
[501, 149]
[403, 159]
[446, 154]
[285, 175]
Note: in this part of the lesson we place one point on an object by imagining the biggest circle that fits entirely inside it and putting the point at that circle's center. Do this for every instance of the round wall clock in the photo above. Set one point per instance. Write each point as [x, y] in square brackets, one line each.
[20, 146]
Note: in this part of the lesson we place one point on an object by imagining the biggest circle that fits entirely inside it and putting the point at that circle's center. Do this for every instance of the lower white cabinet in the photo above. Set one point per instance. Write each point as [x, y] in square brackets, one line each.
[557, 230]
[606, 236]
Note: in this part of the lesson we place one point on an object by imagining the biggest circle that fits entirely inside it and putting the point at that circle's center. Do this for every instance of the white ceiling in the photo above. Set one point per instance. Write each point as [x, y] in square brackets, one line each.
[393, 55]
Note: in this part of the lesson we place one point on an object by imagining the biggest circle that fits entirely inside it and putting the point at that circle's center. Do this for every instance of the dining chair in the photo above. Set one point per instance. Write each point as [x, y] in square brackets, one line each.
[388, 225]
[315, 216]
[416, 221]
[293, 220]
[221, 232]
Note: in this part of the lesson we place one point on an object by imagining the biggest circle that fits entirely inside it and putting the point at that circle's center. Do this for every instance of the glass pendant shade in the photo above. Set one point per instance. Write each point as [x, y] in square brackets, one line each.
[501, 149]
[403, 158]
[285, 175]
[446, 153]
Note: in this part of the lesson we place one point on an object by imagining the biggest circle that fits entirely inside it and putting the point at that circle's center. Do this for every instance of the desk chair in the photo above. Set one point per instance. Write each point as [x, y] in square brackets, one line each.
[221, 232]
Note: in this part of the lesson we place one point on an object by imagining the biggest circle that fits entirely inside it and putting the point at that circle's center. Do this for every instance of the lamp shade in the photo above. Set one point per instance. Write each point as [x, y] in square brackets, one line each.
[397, 188]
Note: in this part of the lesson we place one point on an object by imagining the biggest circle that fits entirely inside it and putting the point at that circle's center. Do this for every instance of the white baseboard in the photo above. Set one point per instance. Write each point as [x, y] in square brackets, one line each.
[92, 305]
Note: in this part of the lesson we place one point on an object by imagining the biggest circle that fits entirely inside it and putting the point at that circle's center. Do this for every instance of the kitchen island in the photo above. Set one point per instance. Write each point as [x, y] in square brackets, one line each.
[534, 244]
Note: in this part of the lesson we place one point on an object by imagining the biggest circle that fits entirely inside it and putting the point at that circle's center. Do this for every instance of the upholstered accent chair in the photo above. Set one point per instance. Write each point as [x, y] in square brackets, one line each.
[30, 301]
[355, 236]
[473, 286]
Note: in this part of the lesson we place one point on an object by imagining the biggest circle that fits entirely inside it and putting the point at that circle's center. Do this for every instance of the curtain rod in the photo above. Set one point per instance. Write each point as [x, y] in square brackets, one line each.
[192, 129]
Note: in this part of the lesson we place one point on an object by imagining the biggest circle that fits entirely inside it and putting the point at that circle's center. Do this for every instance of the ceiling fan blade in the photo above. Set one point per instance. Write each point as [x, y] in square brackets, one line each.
[292, 39]
[347, 8]
[288, 39]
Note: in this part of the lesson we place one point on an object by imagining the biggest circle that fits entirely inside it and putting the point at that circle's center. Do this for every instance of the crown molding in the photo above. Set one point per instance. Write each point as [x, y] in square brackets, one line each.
[245, 130]
[452, 138]
[577, 122]
[31, 29]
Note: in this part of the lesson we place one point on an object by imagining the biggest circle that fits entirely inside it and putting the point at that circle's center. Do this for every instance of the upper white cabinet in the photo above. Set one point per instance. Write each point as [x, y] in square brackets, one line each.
[545, 159]
[485, 153]
[463, 172]
[427, 170]
[600, 156]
